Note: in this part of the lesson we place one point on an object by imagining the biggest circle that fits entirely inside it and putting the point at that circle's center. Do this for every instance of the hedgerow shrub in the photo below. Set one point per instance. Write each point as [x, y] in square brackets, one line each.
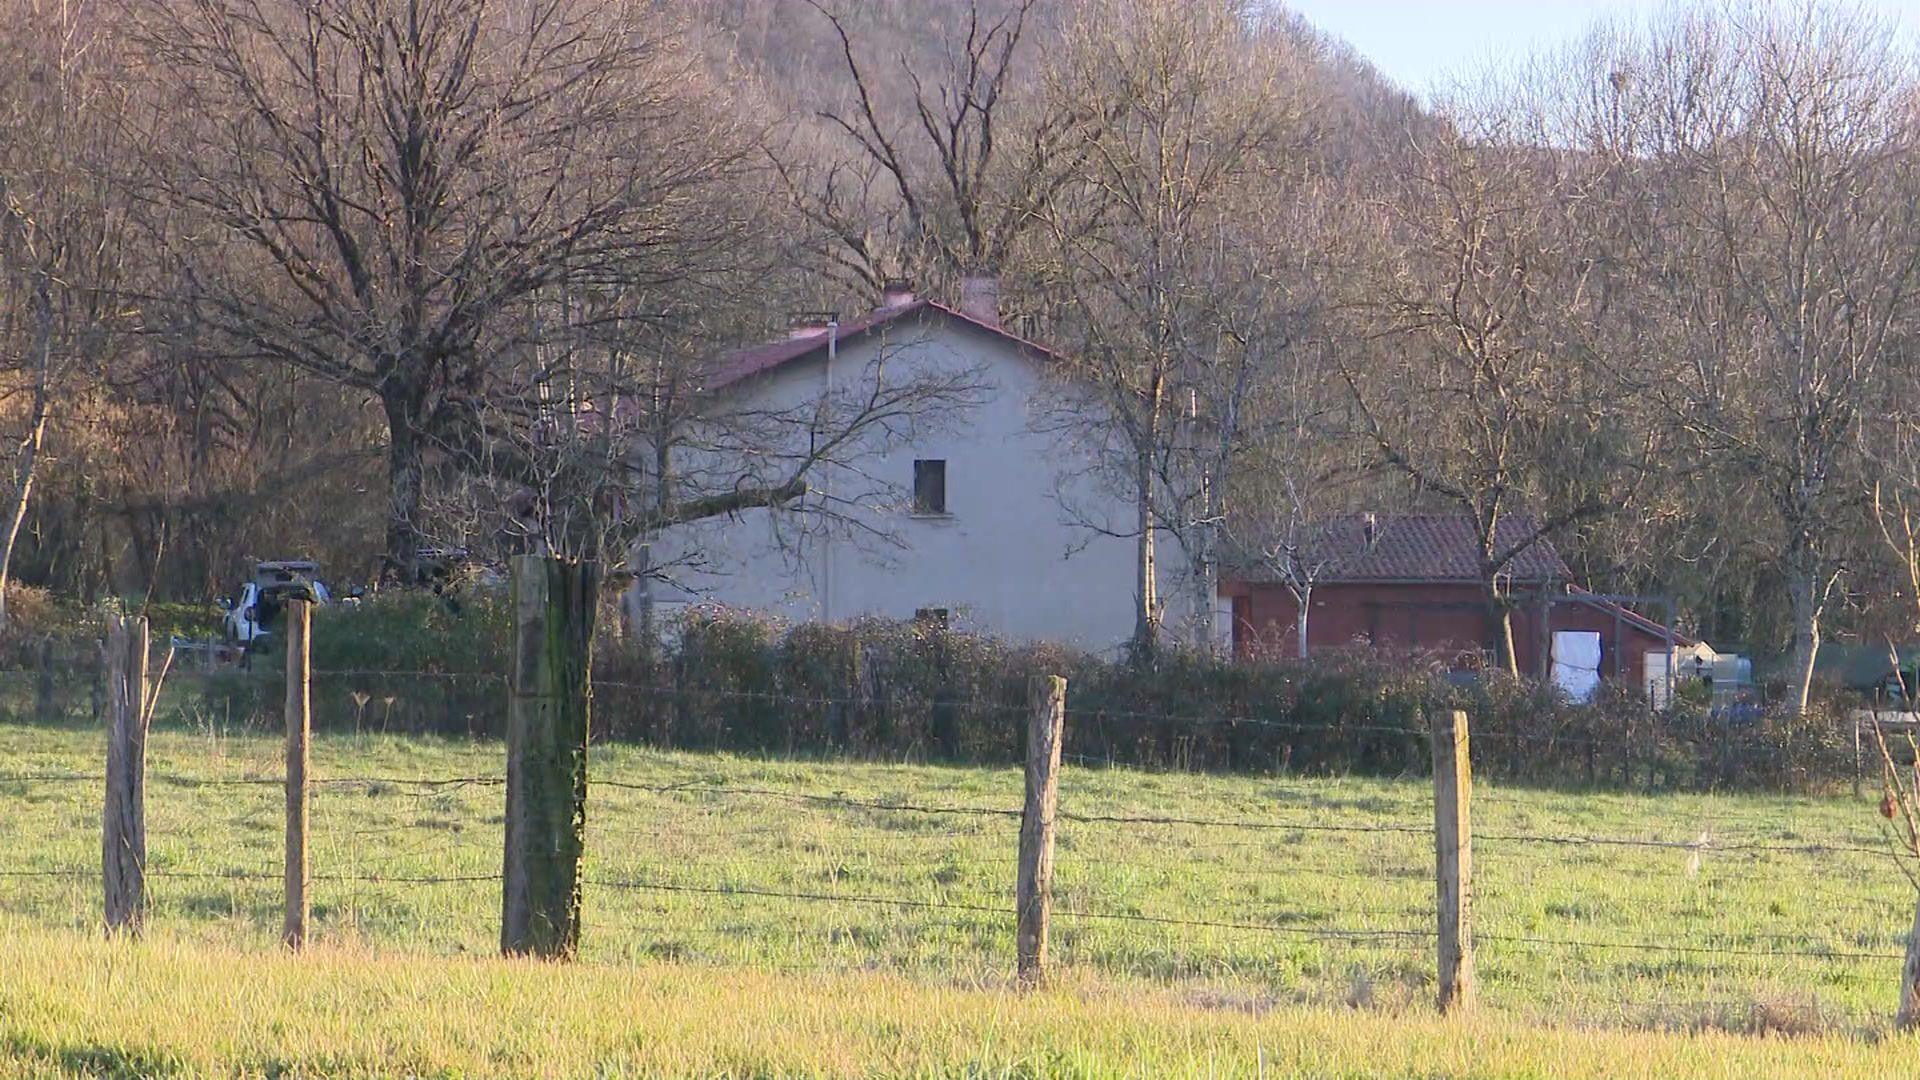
[905, 690]
[909, 690]
[405, 662]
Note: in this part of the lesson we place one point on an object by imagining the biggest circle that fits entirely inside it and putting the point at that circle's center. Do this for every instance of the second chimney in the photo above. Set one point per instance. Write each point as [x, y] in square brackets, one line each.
[980, 298]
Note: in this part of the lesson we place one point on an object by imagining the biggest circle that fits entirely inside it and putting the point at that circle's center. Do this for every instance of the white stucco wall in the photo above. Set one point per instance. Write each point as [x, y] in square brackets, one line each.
[1010, 558]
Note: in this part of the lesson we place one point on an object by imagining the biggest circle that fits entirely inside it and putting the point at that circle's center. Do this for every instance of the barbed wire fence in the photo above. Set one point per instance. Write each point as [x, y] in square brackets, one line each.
[357, 880]
[402, 856]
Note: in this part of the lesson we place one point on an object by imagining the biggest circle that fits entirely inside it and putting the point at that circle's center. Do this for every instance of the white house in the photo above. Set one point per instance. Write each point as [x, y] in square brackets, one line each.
[980, 512]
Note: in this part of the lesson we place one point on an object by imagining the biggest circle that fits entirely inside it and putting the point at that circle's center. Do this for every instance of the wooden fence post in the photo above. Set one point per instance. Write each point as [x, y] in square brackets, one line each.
[124, 820]
[1453, 856]
[547, 724]
[1046, 728]
[299, 732]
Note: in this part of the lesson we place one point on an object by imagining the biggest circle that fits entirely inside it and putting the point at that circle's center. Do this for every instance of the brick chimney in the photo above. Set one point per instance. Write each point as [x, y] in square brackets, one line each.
[898, 292]
[980, 298]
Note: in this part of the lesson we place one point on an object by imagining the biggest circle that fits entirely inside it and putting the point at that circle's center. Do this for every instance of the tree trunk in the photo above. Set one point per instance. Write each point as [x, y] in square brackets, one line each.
[639, 598]
[644, 611]
[30, 445]
[1303, 600]
[1806, 640]
[1500, 616]
[1503, 627]
[1499, 608]
[1146, 615]
[1206, 592]
[406, 482]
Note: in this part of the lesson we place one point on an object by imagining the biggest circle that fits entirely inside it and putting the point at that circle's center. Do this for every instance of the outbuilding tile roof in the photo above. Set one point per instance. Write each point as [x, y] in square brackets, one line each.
[1423, 547]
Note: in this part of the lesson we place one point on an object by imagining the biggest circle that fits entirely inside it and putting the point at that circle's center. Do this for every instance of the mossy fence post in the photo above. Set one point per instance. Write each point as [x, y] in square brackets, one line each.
[1046, 728]
[547, 722]
[1453, 858]
[131, 699]
[299, 759]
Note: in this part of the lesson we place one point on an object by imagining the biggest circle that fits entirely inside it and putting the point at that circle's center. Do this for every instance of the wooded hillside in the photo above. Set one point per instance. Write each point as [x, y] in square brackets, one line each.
[355, 279]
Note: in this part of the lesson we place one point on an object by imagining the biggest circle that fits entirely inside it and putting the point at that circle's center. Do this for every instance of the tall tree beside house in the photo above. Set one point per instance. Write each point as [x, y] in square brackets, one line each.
[65, 240]
[1150, 270]
[1772, 159]
[1458, 365]
[1253, 445]
[1292, 501]
[393, 187]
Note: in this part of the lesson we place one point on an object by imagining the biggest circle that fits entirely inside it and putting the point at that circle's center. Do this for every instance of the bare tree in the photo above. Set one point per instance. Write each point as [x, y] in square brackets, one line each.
[1772, 152]
[64, 241]
[1296, 497]
[393, 185]
[1201, 107]
[636, 431]
[1253, 428]
[1460, 370]
[940, 178]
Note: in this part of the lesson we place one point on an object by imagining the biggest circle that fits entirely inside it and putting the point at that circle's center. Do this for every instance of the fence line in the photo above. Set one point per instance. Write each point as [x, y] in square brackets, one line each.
[691, 787]
[1686, 949]
[189, 780]
[278, 876]
[1193, 723]
[1679, 845]
[1814, 951]
[1032, 907]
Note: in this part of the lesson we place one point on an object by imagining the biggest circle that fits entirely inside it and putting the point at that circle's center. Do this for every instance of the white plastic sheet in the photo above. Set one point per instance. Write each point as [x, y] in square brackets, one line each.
[1576, 663]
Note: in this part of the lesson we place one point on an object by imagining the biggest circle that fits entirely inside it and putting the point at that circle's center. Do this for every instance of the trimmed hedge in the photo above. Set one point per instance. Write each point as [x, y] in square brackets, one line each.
[876, 689]
[885, 689]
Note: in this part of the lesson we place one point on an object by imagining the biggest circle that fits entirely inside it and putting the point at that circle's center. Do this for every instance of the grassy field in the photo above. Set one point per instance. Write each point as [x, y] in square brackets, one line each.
[1312, 937]
[73, 1005]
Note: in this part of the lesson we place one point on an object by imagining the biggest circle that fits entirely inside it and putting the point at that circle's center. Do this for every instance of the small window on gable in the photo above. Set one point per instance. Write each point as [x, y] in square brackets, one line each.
[935, 617]
[930, 486]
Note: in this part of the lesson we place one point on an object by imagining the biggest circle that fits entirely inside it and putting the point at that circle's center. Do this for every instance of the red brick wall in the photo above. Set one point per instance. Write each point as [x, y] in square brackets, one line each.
[1445, 619]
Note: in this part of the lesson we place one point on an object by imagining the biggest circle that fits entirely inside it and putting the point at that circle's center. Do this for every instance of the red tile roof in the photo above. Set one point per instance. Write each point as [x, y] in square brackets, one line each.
[1423, 547]
[757, 359]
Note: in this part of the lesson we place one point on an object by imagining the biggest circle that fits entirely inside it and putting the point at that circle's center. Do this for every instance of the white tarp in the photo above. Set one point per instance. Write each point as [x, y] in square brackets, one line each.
[1576, 663]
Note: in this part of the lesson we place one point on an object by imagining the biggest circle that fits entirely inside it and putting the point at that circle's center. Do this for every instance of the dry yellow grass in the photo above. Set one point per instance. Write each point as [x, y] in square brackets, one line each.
[75, 1005]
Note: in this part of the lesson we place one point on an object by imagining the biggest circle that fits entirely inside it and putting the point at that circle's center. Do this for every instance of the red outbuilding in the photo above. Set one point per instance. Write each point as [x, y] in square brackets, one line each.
[1411, 584]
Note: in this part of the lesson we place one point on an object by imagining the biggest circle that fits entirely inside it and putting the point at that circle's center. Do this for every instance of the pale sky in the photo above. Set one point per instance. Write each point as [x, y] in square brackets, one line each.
[1416, 42]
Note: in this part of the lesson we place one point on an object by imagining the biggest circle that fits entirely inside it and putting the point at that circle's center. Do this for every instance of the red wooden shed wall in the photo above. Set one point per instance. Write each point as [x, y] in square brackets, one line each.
[1449, 619]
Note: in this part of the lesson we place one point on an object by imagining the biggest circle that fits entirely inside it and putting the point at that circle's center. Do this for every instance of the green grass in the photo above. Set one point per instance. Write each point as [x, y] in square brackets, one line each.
[1150, 991]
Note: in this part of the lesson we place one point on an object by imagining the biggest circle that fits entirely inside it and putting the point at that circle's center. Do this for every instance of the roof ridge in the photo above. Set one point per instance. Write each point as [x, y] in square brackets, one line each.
[751, 360]
[1429, 546]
